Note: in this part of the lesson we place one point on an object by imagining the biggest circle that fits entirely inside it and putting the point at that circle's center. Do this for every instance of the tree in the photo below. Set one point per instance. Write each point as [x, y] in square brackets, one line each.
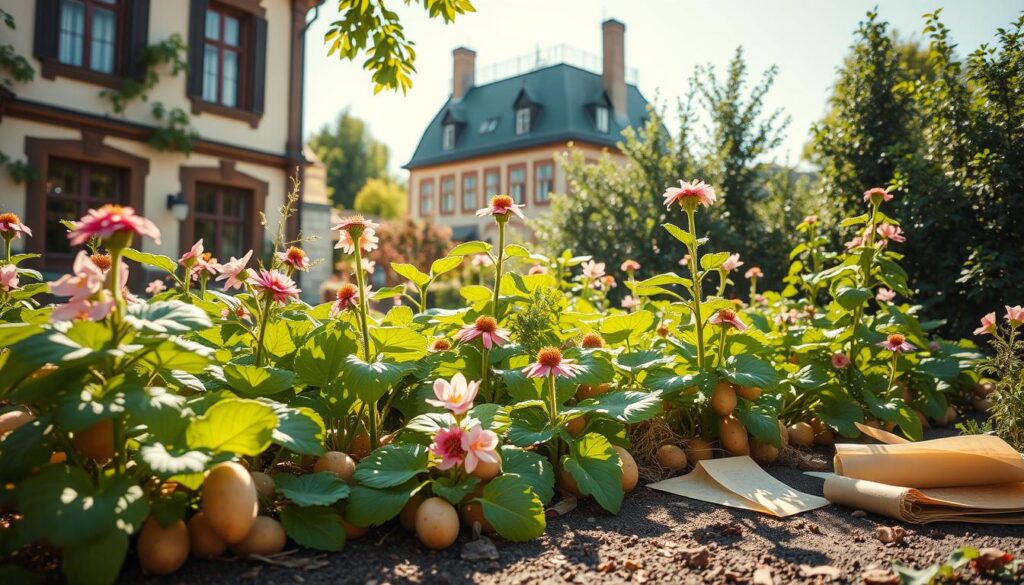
[351, 155]
[383, 198]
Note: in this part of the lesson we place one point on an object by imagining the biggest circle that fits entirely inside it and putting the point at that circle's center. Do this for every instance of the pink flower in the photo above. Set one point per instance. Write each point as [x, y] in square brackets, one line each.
[156, 287]
[606, 282]
[502, 205]
[685, 260]
[356, 222]
[205, 264]
[896, 343]
[551, 363]
[448, 446]
[885, 295]
[877, 195]
[856, 242]
[538, 269]
[753, 272]
[727, 318]
[732, 263]
[479, 445]
[8, 277]
[368, 241]
[891, 232]
[193, 254]
[840, 361]
[457, 395]
[628, 302]
[235, 272]
[934, 346]
[11, 224]
[85, 280]
[348, 298]
[787, 318]
[481, 260]
[811, 219]
[295, 258]
[693, 193]
[593, 270]
[630, 266]
[760, 299]
[988, 325]
[368, 265]
[85, 309]
[276, 284]
[486, 328]
[241, 312]
[109, 220]
[1015, 315]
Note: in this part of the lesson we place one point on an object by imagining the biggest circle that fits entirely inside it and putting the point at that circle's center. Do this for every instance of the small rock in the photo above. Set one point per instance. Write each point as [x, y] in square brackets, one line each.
[826, 572]
[606, 567]
[762, 576]
[480, 550]
[880, 577]
[813, 529]
[990, 559]
[859, 514]
[631, 565]
[890, 534]
[695, 557]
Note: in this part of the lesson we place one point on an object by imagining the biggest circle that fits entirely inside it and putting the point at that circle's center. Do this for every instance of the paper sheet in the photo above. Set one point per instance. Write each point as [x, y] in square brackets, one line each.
[739, 482]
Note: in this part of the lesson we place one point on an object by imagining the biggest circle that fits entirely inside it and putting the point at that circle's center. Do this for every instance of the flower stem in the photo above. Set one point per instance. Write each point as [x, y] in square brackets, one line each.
[865, 282]
[723, 276]
[7, 247]
[485, 369]
[364, 324]
[264, 318]
[721, 346]
[696, 292]
[552, 398]
[497, 267]
[892, 372]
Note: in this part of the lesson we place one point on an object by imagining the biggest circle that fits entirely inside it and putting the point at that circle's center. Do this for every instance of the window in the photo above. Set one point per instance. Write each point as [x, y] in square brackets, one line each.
[492, 182]
[470, 200]
[489, 125]
[220, 217]
[87, 34]
[517, 183]
[223, 57]
[601, 118]
[544, 175]
[426, 198]
[522, 120]
[448, 137]
[72, 188]
[448, 195]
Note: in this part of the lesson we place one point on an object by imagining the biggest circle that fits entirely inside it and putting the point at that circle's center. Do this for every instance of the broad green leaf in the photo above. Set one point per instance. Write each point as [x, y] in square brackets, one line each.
[411, 273]
[945, 369]
[470, 248]
[850, 297]
[388, 292]
[242, 427]
[627, 327]
[311, 489]
[167, 464]
[810, 377]
[451, 490]
[320, 360]
[595, 466]
[155, 260]
[713, 261]
[315, 527]
[750, 371]
[299, 429]
[177, 353]
[24, 449]
[443, 265]
[529, 427]
[680, 234]
[759, 422]
[516, 251]
[96, 561]
[164, 414]
[665, 279]
[839, 411]
[475, 293]
[369, 506]
[370, 381]
[626, 406]
[11, 333]
[514, 510]
[171, 317]
[399, 342]
[535, 470]
[257, 381]
[391, 465]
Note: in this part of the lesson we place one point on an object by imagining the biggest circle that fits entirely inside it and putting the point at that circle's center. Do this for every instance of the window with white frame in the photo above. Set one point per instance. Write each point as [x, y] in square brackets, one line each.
[426, 197]
[448, 195]
[545, 175]
[469, 197]
[448, 137]
[517, 183]
[601, 118]
[522, 120]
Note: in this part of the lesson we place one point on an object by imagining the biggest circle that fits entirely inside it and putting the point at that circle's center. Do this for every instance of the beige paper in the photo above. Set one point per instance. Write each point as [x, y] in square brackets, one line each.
[971, 460]
[880, 435]
[739, 482]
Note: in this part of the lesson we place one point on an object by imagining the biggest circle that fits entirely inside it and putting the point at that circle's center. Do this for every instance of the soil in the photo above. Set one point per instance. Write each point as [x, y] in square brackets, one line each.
[656, 538]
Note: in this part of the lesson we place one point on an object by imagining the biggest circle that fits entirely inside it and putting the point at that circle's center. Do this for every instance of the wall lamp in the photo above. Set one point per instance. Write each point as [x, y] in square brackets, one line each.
[178, 206]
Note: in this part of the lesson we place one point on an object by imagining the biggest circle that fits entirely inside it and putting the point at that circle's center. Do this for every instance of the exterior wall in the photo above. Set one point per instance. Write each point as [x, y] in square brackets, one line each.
[503, 162]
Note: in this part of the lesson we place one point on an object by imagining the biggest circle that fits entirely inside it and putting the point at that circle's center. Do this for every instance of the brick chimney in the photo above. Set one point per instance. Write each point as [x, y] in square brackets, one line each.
[463, 71]
[614, 65]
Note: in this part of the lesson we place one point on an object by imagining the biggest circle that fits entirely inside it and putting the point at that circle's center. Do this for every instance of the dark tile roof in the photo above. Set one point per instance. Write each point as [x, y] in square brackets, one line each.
[564, 97]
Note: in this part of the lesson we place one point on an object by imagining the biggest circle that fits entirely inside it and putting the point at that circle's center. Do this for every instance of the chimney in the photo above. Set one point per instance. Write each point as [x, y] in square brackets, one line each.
[614, 66]
[463, 71]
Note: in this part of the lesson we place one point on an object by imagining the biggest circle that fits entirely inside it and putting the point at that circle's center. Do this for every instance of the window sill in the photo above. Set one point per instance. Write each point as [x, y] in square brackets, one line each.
[200, 106]
[51, 69]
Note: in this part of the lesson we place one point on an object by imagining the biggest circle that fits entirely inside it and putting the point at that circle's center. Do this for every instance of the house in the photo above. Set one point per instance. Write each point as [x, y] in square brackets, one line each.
[501, 136]
[241, 94]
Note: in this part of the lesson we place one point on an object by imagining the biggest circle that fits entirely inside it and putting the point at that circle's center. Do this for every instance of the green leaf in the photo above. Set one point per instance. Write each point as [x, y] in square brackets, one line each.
[155, 260]
[300, 430]
[369, 506]
[443, 265]
[665, 279]
[451, 490]
[320, 359]
[945, 369]
[513, 508]
[11, 333]
[625, 406]
[370, 381]
[475, 293]
[242, 427]
[713, 261]
[316, 527]
[24, 449]
[895, 411]
[171, 317]
[626, 327]
[411, 273]
[257, 381]
[595, 466]
[311, 489]
[750, 371]
[164, 414]
[470, 248]
[680, 234]
[96, 561]
[529, 427]
[759, 421]
[535, 470]
[391, 465]
[177, 353]
[387, 292]
[400, 342]
[167, 464]
[516, 251]
[850, 297]
[839, 411]
[810, 377]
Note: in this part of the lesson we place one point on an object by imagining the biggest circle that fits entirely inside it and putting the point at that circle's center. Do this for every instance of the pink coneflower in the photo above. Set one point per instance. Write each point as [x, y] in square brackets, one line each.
[448, 446]
[368, 241]
[235, 272]
[355, 222]
[896, 343]
[457, 395]
[276, 284]
[891, 232]
[481, 260]
[502, 205]
[607, 282]
[840, 361]
[368, 265]
[206, 265]
[156, 287]
[753, 272]
[592, 341]
[486, 328]
[85, 309]
[685, 260]
[811, 219]
[443, 344]
[856, 242]
[593, 270]
[538, 269]
[85, 280]
[689, 195]
[760, 299]
[8, 277]
[877, 195]
[479, 445]
[348, 298]
[732, 263]
[109, 220]
[241, 312]
[193, 254]
[630, 266]
[11, 226]
[294, 257]
[551, 363]
[727, 318]
[885, 295]
[628, 302]
[1015, 315]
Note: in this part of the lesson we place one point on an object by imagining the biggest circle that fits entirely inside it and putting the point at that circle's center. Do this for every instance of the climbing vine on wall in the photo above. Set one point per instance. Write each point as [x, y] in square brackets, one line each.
[15, 68]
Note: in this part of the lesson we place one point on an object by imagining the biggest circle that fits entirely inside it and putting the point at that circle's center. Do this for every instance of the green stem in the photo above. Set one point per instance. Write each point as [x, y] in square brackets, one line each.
[364, 324]
[485, 369]
[892, 372]
[721, 346]
[696, 292]
[264, 318]
[7, 247]
[722, 275]
[552, 398]
[497, 266]
[865, 276]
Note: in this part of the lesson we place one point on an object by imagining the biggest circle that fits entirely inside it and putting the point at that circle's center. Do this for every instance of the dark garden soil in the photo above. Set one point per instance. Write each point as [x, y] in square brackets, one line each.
[657, 538]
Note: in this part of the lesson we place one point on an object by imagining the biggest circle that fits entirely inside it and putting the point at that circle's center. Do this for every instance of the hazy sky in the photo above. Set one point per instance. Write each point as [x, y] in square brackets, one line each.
[665, 39]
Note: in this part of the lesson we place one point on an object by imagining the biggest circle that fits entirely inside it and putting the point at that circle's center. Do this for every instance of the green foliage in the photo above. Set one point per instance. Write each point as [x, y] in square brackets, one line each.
[16, 67]
[381, 198]
[352, 157]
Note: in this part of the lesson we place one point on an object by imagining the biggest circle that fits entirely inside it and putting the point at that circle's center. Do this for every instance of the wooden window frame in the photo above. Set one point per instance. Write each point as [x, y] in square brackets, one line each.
[51, 67]
[536, 181]
[243, 51]
[225, 175]
[483, 185]
[440, 194]
[462, 192]
[526, 181]
[529, 120]
[419, 198]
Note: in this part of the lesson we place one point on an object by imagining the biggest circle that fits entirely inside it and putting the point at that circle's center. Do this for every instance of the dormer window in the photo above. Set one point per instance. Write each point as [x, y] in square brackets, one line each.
[448, 137]
[489, 125]
[601, 118]
[522, 120]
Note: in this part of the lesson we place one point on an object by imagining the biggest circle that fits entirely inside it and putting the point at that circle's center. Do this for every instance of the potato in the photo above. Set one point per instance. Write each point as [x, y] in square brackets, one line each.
[12, 419]
[264, 485]
[749, 392]
[951, 415]
[723, 398]
[983, 405]
[567, 483]
[162, 551]
[266, 537]
[204, 541]
[585, 391]
[630, 472]
[407, 517]
[437, 523]
[823, 435]
[337, 462]
[801, 434]
[97, 441]
[734, 436]
[360, 446]
[783, 434]
[352, 531]
[697, 450]
[229, 501]
[984, 388]
[473, 512]
[486, 470]
[763, 453]
[576, 426]
[671, 457]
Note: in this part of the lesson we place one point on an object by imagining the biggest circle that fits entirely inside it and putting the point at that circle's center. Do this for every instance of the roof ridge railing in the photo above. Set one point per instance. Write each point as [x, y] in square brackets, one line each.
[540, 58]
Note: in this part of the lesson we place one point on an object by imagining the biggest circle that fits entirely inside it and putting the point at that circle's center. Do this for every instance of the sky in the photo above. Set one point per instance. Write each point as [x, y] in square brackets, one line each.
[665, 40]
